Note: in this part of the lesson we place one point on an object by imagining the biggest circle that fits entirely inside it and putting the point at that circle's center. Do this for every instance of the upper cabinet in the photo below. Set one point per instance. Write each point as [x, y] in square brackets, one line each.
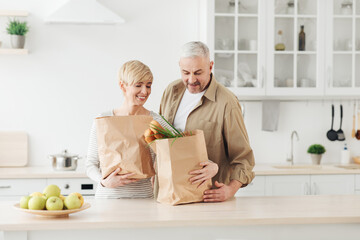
[343, 47]
[238, 45]
[294, 56]
[286, 48]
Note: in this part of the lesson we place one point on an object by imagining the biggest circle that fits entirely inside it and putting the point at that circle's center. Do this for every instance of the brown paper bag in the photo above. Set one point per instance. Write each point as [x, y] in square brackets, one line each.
[175, 159]
[121, 144]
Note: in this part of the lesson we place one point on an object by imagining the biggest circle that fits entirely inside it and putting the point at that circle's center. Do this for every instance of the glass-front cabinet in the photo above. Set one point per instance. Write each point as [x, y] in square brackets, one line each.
[286, 48]
[293, 60]
[237, 43]
[343, 47]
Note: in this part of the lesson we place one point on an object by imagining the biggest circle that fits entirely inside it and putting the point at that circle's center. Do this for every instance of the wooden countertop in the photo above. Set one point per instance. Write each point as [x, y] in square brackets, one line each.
[281, 169]
[39, 172]
[139, 213]
[260, 170]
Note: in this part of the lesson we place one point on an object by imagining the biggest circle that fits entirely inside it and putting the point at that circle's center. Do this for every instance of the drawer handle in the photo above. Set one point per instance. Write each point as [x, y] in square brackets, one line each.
[3, 187]
[67, 186]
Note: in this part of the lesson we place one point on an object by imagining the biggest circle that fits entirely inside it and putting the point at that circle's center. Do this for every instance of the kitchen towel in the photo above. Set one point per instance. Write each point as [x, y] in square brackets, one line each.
[270, 115]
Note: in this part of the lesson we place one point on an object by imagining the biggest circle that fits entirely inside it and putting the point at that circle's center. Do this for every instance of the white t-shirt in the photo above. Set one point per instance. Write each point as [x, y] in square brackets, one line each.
[187, 104]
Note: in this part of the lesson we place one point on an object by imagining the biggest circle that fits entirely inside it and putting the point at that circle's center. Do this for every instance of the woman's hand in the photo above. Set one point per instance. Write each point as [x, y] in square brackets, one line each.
[114, 180]
[209, 169]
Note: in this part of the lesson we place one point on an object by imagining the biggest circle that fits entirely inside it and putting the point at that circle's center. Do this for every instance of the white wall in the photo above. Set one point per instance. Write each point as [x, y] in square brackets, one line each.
[311, 119]
[70, 76]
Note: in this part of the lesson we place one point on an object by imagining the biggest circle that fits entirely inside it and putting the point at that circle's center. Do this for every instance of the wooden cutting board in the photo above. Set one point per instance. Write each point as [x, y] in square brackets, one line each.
[13, 149]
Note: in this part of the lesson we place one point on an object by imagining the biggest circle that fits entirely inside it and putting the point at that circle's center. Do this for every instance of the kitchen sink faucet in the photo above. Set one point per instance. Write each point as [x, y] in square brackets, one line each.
[291, 159]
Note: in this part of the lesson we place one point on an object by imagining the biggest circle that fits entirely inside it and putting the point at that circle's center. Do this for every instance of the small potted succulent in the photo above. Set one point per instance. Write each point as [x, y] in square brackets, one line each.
[17, 31]
[316, 151]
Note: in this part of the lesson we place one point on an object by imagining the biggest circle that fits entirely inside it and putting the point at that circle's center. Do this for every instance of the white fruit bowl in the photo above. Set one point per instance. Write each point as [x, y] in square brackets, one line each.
[57, 213]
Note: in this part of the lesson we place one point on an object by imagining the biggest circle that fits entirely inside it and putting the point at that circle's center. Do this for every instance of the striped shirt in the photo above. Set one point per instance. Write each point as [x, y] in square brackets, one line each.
[139, 189]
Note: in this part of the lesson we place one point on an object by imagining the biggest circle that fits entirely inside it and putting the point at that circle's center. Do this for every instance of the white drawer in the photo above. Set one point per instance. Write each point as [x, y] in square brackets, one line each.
[255, 188]
[357, 181]
[21, 187]
[84, 186]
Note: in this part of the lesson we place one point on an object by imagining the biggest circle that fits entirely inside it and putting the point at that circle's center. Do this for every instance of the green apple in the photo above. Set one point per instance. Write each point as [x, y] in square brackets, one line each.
[54, 203]
[52, 190]
[37, 203]
[24, 202]
[72, 202]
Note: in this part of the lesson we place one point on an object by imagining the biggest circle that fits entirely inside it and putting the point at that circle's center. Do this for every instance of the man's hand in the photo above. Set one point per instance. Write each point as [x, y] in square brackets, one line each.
[114, 180]
[223, 191]
[209, 169]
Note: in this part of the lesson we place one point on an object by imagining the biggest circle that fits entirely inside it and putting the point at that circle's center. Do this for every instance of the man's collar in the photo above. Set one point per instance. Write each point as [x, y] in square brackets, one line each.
[211, 90]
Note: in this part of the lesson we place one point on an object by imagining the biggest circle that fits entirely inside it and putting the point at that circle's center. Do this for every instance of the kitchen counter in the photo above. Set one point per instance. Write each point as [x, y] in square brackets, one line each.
[39, 172]
[260, 170]
[233, 218]
[281, 169]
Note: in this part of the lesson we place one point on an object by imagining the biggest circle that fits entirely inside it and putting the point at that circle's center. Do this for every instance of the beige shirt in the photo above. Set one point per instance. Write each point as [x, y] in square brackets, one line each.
[218, 114]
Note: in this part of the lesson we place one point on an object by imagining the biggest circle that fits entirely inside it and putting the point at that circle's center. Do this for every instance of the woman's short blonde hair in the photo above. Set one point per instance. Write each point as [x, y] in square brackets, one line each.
[133, 72]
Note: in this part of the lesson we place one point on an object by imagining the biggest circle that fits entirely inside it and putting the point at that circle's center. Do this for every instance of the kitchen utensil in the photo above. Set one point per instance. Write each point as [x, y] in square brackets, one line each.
[332, 134]
[357, 135]
[53, 213]
[353, 132]
[340, 132]
[13, 149]
[64, 161]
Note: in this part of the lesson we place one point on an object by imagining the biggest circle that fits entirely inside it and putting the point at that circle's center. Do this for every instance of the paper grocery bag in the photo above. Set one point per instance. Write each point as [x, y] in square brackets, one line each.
[121, 144]
[175, 159]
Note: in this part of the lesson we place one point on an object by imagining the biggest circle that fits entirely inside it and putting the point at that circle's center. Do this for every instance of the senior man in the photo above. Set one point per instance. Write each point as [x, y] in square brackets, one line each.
[198, 101]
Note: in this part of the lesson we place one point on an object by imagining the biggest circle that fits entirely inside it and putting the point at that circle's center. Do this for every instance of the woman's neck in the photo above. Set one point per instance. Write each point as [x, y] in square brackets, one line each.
[129, 109]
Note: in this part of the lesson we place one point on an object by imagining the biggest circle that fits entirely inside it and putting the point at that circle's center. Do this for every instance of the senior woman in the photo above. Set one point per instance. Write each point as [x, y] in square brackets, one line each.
[135, 80]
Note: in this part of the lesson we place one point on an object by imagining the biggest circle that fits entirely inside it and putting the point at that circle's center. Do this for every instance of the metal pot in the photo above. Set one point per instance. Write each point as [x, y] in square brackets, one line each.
[64, 161]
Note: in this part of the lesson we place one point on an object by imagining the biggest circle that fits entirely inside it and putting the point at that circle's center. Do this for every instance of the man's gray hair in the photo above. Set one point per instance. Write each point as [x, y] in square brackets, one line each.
[194, 49]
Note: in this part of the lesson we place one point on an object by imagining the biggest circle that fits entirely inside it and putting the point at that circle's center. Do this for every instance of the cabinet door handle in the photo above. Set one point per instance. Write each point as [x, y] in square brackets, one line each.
[262, 76]
[4, 187]
[329, 72]
[306, 189]
[315, 190]
[67, 186]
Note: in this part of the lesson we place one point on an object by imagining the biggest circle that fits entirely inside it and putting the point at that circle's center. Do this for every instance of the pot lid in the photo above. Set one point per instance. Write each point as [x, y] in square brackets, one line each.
[64, 154]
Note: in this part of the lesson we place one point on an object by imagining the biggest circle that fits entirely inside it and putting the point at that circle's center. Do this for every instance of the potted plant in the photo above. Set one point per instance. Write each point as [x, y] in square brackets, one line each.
[17, 31]
[316, 151]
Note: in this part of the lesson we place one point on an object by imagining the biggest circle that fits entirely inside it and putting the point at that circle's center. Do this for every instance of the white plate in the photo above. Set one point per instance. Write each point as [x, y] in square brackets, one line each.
[55, 213]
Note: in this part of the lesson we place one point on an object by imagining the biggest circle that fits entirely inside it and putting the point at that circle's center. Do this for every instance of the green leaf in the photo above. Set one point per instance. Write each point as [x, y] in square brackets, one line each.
[16, 27]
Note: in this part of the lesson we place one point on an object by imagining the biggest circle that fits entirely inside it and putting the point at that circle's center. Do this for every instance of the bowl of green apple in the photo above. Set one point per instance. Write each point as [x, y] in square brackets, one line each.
[50, 203]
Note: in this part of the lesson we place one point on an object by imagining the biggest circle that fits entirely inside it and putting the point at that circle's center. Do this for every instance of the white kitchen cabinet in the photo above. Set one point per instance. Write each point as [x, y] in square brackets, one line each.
[357, 182]
[294, 71]
[342, 48]
[296, 185]
[242, 36]
[332, 184]
[84, 186]
[15, 188]
[20, 187]
[255, 188]
[237, 44]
